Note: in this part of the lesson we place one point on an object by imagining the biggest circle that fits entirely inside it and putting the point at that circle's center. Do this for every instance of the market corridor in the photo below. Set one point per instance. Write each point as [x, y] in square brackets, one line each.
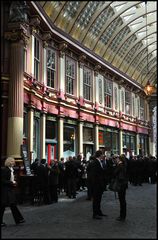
[72, 218]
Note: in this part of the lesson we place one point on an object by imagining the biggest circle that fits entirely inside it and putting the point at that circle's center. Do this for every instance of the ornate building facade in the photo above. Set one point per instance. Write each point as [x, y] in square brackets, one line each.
[60, 99]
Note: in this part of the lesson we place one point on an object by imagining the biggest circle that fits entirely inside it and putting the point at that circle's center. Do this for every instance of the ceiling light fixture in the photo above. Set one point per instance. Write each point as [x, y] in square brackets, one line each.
[148, 89]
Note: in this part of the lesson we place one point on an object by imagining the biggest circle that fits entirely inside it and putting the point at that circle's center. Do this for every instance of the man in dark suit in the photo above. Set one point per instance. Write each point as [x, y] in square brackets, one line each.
[98, 184]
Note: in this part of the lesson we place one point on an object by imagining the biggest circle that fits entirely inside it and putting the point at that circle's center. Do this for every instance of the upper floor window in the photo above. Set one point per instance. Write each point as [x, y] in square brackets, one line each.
[127, 102]
[51, 67]
[115, 96]
[123, 101]
[100, 91]
[141, 108]
[87, 83]
[138, 107]
[25, 59]
[108, 93]
[70, 75]
[133, 105]
[36, 58]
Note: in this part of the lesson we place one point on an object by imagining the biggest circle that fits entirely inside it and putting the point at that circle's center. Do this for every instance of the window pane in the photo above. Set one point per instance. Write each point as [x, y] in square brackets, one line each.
[51, 67]
[70, 75]
[87, 83]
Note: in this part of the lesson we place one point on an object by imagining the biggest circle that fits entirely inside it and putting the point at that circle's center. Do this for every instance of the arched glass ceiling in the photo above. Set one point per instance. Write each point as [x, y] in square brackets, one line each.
[115, 30]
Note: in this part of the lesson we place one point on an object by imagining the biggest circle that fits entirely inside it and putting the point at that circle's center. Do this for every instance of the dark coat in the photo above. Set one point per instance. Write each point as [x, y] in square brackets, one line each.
[97, 176]
[54, 176]
[8, 193]
[120, 173]
[42, 176]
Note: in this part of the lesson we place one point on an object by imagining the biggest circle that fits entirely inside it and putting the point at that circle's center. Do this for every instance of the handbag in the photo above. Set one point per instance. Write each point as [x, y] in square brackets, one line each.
[114, 185]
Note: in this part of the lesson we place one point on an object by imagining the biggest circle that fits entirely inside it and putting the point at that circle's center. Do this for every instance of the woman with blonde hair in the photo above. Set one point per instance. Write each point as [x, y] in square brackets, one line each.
[8, 196]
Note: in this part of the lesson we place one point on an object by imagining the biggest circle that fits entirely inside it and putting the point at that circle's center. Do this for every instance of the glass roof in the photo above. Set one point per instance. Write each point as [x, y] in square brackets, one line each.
[121, 32]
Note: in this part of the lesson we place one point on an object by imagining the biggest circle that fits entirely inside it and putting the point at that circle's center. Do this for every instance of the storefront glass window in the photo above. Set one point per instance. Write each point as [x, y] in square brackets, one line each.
[69, 141]
[36, 138]
[87, 134]
[115, 149]
[50, 130]
[25, 125]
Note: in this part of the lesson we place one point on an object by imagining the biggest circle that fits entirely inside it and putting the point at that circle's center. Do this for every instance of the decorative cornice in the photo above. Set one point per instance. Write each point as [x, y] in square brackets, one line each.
[97, 69]
[34, 24]
[82, 58]
[17, 35]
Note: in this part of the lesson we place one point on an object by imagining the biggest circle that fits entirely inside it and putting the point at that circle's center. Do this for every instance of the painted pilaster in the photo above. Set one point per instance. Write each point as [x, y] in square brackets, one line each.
[43, 136]
[96, 146]
[137, 144]
[30, 130]
[60, 137]
[61, 83]
[120, 142]
[80, 142]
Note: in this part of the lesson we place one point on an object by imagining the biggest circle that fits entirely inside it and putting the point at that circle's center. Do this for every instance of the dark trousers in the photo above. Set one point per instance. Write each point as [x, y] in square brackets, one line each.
[71, 187]
[53, 193]
[97, 196]
[15, 211]
[122, 200]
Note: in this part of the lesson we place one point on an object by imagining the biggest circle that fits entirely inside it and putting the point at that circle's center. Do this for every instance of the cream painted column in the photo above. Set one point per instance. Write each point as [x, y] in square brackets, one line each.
[16, 93]
[80, 142]
[96, 146]
[137, 144]
[30, 130]
[121, 141]
[43, 136]
[80, 82]
[61, 82]
[60, 137]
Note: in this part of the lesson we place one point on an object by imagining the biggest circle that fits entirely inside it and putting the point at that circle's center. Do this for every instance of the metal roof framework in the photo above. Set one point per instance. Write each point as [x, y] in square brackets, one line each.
[114, 30]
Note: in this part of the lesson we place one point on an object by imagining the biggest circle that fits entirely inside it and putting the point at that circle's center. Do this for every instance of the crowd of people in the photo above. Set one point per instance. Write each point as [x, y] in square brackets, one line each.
[76, 174]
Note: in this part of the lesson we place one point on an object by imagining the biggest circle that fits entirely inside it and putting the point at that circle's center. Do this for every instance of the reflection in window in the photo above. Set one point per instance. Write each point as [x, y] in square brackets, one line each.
[69, 138]
[123, 101]
[70, 75]
[87, 84]
[25, 125]
[127, 102]
[36, 59]
[133, 105]
[50, 130]
[51, 67]
[87, 134]
[108, 93]
[115, 94]
[100, 91]
[141, 108]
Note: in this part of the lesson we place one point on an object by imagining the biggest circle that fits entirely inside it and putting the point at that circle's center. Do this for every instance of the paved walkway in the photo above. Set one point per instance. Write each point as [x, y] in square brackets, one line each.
[72, 218]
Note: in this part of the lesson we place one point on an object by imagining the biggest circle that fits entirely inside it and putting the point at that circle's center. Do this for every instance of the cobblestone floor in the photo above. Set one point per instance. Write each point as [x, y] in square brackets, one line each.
[72, 218]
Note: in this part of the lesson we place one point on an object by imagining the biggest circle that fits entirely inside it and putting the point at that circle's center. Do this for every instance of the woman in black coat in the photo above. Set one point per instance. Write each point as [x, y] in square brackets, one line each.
[8, 197]
[120, 172]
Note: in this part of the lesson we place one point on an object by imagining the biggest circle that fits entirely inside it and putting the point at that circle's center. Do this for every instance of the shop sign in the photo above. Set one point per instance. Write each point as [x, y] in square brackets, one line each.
[69, 121]
[37, 114]
[88, 125]
[51, 118]
[24, 153]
